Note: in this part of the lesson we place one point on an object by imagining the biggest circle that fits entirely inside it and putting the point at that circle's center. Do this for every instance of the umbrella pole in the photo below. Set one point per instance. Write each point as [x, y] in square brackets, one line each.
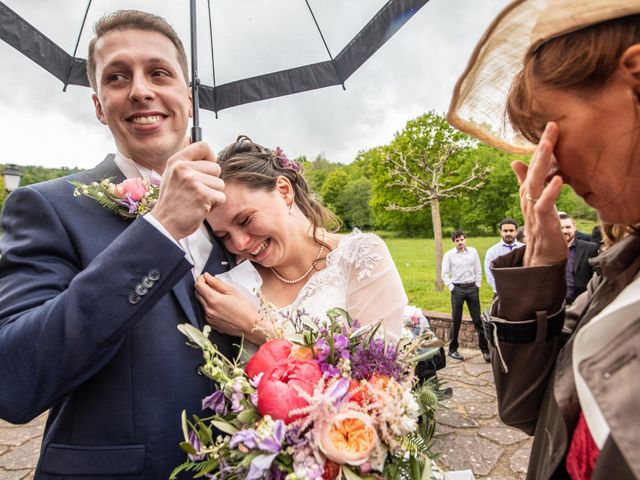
[196, 131]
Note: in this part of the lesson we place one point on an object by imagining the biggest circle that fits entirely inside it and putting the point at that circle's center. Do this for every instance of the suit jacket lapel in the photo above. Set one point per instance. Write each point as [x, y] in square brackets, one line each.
[184, 292]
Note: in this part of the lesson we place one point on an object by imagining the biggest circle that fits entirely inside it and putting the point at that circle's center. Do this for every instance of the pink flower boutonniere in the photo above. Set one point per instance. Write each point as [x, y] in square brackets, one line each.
[129, 199]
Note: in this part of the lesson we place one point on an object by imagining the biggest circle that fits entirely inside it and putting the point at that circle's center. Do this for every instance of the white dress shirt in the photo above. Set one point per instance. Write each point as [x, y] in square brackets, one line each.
[497, 250]
[197, 246]
[461, 267]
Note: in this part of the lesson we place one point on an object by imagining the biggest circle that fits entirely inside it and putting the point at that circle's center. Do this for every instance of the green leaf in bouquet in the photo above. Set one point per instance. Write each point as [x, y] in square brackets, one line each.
[349, 474]
[210, 466]
[196, 336]
[335, 313]
[224, 426]
[309, 323]
[185, 426]
[204, 433]
[184, 467]
[426, 472]
[297, 338]
[363, 330]
[188, 448]
[416, 474]
[248, 416]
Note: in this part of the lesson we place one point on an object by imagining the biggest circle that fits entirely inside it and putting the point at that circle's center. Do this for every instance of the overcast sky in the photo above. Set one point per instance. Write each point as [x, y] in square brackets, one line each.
[414, 72]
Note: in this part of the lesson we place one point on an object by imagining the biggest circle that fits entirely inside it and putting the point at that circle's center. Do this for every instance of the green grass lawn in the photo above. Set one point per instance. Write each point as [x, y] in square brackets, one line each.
[415, 259]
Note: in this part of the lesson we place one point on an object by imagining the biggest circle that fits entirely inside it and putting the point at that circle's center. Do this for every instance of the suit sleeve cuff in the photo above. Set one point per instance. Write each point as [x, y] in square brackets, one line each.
[153, 221]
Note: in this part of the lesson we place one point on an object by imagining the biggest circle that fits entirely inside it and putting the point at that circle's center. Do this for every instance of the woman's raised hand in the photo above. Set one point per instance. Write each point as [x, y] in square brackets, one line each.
[545, 242]
[226, 310]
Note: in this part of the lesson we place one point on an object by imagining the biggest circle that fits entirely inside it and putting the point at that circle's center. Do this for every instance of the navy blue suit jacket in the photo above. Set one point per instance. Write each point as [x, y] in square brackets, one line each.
[115, 374]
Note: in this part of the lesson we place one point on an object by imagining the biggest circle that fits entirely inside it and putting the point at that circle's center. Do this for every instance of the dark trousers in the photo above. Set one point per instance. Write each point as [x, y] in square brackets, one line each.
[471, 295]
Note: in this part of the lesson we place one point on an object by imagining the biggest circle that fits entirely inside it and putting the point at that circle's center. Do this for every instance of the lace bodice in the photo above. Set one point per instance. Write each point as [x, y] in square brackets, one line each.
[359, 276]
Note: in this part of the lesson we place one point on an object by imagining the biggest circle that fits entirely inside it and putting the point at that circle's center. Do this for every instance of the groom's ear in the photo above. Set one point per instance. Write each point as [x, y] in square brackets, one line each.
[284, 188]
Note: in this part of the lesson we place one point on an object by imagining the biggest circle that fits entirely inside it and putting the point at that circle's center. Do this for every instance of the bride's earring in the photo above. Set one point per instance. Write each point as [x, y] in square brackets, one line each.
[291, 209]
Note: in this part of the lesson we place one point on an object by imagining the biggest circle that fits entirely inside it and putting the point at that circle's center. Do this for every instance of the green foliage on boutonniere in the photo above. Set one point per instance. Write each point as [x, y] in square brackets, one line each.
[129, 199]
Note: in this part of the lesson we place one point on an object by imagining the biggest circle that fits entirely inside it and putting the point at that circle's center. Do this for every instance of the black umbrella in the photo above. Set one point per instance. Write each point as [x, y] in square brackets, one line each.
[71, 70]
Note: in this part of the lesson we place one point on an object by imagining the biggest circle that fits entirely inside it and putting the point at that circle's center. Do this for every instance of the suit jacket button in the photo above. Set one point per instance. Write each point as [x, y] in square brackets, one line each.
[154, 274]
[147, 282]
[133, 299]
[140, 290]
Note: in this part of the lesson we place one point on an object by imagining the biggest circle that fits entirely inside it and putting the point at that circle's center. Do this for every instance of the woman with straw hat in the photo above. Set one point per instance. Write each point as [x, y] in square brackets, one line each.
[561, 78]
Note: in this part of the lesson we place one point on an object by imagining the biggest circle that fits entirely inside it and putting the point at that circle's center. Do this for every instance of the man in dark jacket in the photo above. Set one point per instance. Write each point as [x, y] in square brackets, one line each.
[579, 270]
[89, 301]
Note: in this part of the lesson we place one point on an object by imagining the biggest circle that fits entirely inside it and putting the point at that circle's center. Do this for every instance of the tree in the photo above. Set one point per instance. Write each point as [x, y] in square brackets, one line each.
[423, 162]
[32, 174]
[480, 211]
[354, 204]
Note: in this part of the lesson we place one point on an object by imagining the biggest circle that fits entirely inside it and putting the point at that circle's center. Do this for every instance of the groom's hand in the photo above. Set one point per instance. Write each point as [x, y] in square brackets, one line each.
[190, 189]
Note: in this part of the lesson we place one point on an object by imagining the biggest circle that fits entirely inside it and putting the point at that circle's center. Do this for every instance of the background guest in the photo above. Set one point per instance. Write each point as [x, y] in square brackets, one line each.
[508, 228]
[579, 270]
[462, 274]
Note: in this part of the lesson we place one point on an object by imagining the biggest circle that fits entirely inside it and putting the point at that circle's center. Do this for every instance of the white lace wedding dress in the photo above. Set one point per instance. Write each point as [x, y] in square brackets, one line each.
[359, 277]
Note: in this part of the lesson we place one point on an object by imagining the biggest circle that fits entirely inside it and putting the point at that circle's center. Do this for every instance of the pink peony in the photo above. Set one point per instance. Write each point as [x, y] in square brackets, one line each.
[276, 393]
[135, 187]
[267, 356]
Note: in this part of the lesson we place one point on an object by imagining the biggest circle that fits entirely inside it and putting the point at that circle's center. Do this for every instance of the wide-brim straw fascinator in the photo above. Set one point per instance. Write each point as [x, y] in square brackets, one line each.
[478, 106]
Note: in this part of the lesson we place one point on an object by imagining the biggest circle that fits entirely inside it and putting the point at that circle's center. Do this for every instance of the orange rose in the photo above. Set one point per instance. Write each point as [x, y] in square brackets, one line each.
[348, 437]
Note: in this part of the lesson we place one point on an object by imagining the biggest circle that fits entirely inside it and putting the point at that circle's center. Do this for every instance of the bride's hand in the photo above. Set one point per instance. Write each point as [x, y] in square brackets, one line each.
[545, 242]
[226, 310]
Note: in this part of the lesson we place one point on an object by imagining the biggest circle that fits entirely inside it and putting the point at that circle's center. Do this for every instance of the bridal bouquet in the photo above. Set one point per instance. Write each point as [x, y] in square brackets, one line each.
[328, 402]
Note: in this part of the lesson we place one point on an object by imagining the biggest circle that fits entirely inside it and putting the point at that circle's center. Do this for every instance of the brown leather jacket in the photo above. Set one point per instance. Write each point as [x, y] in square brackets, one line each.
[535, 337]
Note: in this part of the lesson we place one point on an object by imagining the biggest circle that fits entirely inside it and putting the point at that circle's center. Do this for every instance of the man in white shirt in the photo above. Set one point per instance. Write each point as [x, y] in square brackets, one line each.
[508, 231]
[462, 274]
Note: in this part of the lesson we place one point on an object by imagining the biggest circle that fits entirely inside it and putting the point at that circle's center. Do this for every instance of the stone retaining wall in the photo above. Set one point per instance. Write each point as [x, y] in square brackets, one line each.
[441, 324]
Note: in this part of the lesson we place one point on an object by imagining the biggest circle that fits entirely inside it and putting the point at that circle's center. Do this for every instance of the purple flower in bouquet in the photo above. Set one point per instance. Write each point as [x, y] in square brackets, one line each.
[215, 402]
[271, 444]
[323, 352]
[376, 357]
[338, 391]
[195, 443]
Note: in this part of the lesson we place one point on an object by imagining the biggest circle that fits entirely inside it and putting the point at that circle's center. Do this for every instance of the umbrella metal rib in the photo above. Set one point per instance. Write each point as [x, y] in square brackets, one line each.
[325, 44]
[75, 50]
[213, 63]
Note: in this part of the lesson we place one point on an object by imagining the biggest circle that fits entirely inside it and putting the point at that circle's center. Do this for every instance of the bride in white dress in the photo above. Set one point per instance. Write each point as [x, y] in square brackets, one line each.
[271, 220]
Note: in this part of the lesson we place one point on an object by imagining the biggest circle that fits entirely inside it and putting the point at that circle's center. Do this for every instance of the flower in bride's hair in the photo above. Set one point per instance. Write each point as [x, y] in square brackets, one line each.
[284, 161]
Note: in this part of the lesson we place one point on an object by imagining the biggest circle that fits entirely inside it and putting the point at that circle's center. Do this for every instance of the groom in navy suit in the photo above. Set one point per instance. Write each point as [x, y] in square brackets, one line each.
[89, 302]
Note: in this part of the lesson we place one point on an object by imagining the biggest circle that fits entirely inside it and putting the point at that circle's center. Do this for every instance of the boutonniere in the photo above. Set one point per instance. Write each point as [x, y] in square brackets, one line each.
[129, 199]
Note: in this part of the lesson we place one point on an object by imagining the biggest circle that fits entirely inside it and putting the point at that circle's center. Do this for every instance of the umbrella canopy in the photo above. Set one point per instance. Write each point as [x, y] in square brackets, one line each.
[288, 46]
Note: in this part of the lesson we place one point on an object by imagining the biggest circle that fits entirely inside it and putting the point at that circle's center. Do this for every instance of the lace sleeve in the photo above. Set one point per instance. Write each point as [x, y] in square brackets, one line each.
[374, 289]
